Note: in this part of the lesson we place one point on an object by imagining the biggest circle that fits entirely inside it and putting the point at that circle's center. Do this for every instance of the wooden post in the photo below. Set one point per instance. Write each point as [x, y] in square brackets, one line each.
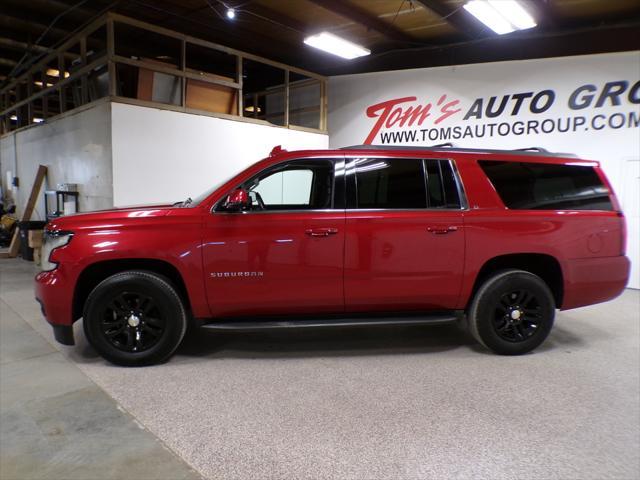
[28, 209]
[30, 104]
[286, 98]
[183, 79]
[239, 82]
[62, 94]
[84, 85]
[111, 51]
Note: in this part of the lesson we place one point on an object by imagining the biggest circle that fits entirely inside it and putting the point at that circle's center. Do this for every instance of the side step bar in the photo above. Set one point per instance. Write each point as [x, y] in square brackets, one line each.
[257, 325]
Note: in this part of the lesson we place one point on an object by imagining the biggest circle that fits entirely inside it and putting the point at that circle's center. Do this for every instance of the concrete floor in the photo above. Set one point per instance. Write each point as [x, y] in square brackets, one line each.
[55, 422]
[420, 402]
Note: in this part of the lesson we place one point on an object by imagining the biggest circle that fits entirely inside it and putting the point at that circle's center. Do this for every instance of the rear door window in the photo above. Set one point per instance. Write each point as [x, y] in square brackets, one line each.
[405, 183]
[390, 183]
[545, 186]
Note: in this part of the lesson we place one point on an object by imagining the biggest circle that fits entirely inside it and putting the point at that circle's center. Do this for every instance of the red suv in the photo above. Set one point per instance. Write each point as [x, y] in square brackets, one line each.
[357, 236]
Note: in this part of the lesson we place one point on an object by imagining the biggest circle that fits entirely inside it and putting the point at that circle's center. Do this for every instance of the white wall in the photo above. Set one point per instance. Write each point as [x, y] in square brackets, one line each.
[75, 148]
[166, 156]
[618, 149]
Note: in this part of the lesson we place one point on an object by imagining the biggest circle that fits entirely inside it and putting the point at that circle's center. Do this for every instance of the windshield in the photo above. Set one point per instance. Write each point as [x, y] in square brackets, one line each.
[197, 200]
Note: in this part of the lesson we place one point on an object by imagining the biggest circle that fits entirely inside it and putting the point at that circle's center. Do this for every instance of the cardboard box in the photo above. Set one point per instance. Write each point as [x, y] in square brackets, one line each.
[35, 238]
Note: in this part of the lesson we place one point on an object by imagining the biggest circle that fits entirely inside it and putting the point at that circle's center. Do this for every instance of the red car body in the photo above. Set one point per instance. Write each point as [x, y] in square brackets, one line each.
[341, 260]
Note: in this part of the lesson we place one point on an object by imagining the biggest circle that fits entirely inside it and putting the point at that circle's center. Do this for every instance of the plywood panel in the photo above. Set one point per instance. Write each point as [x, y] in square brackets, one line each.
[212, 97]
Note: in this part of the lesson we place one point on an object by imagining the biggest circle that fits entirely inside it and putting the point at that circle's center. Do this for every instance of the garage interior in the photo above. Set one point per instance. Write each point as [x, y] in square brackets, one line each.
[125, 102]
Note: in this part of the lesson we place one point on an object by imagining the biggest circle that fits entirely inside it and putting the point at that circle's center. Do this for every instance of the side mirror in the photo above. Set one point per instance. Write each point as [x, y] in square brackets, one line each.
[238, 200]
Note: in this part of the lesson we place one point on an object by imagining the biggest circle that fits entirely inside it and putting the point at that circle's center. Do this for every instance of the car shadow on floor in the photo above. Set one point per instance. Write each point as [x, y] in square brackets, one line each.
[335, 342]
[320, 342]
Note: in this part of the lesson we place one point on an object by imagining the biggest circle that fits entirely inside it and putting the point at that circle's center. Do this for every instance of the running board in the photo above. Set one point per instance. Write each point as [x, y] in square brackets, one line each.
[255, 325]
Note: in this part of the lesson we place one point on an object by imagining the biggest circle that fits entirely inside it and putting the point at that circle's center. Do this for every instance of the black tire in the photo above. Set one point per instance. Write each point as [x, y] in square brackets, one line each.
[512, 312]
[134, 318]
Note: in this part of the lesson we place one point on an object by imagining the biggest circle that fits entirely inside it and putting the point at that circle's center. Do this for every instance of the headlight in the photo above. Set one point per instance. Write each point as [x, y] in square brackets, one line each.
[53, 240]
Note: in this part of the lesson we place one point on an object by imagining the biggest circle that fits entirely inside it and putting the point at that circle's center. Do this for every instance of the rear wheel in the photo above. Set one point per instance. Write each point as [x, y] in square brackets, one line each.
[134, 318]
[512, 313]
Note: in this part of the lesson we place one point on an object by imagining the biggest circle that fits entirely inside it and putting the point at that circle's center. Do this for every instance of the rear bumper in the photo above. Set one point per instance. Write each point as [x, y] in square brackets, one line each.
[594, 280]
[54, 292]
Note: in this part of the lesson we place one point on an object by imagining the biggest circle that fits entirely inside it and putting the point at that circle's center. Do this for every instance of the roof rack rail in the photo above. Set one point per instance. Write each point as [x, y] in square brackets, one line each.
[531, 151]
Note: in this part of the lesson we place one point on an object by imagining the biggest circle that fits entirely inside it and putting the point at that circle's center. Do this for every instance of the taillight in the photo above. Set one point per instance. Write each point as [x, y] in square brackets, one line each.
[623, 233]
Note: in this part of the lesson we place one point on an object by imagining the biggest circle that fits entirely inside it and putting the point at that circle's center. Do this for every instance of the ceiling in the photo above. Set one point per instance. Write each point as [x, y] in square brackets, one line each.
[400, 33]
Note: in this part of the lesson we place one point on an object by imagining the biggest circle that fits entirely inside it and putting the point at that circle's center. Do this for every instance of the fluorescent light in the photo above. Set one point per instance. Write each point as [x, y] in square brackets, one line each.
[514, 13]
[336, 45]
[501, 16]
[13, 117]
[231, 13]
[38, 120]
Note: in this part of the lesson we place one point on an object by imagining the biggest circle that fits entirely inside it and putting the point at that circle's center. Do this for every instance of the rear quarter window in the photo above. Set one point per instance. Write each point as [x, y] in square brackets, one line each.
[545, 186]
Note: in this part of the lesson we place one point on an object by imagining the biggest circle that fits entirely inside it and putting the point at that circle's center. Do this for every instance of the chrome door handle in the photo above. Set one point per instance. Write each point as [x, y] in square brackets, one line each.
[442, 230]
[321, 232]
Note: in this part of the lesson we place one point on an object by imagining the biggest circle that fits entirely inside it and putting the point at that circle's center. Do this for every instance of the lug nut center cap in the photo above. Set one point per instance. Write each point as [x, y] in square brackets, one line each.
[133, 321]
[515, 314]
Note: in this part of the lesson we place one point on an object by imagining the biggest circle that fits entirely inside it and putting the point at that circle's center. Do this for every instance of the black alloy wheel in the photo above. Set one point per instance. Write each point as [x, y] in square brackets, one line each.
[135, 318]
[132, 322]
[512, 312]
[517, 315]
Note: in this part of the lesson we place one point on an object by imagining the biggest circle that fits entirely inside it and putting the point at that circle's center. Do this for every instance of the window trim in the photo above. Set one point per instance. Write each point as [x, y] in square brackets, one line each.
[336, 183]
[352, 191]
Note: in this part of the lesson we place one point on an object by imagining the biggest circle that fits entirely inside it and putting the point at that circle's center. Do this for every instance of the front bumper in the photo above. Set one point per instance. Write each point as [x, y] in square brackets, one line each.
[54, 292]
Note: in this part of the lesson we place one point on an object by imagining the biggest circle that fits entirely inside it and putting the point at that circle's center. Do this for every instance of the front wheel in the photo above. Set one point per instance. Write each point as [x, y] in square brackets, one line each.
[512, 312]
[134, 318]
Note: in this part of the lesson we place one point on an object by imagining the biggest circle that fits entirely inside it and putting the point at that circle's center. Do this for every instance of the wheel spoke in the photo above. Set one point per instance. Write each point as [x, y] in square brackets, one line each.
[520, 297]
[520, 331]
[155, 332]
[505, 301]
[145, 305]
[113, 332]
[528, 297]
[129, 338]
[154, 322]
[120, 305]
[503, 327]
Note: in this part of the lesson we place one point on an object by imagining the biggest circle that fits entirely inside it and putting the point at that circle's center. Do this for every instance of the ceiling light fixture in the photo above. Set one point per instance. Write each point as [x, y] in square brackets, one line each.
[231, 13]
[501, 16]
[336, 45]
[54, 72]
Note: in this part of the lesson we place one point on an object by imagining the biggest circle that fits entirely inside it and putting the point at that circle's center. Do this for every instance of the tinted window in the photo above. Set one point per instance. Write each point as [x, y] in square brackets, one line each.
[390, 183]
[297, 185]
[441, 185]
[541, 186]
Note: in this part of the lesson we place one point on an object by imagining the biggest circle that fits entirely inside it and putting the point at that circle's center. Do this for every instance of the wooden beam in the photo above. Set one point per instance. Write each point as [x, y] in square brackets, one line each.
[366, 19]
[458, 18]
[14, 246]
[260, 11]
